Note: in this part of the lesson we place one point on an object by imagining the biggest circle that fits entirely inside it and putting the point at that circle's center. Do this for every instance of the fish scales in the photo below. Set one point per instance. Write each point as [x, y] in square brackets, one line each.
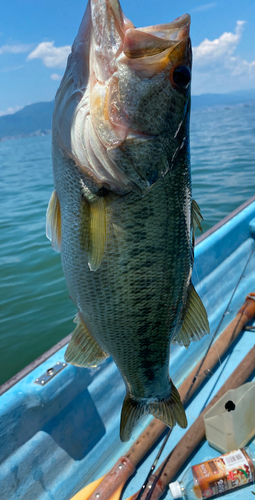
[136, 292]
[121, 213]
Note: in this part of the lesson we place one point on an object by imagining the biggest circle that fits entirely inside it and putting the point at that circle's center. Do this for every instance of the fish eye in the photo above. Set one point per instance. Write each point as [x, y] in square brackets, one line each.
[181, 77]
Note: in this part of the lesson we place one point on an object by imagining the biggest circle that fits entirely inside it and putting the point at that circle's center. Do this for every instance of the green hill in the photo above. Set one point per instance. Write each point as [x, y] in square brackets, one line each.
[231, 99]
[36, 118]
[31, 120]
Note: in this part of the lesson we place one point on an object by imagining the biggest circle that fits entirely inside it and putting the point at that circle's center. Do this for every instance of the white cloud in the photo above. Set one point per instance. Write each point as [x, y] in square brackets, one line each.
[52, 57]
[209, 51]
[217, 66]
[10, 111]
[240, 66]
[15, 49]
[202, 8]
[55, 76]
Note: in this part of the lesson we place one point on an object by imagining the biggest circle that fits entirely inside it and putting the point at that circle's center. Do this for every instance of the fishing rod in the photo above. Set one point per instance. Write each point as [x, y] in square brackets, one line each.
[110, 486]
[223, 316]
[217, 355]
[189, 390]
[153, 467]
[195, 434]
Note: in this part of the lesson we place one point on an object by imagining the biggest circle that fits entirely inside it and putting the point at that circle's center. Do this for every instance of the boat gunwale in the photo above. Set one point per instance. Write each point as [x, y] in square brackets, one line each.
[47, 354]
[223, 221]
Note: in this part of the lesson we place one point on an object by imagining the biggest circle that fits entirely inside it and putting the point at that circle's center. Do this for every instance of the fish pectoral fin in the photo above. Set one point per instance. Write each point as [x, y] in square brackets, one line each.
[82, 349]
[53, 222]
[195, 324]
[196, 218]
[170, 411]
[93, 230]
[97, 233]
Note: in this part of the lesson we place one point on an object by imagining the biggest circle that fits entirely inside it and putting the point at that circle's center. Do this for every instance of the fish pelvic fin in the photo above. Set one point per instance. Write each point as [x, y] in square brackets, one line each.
[170, 411]
[53, 222]
[93, 229]
[195, 324]
[196, 219]
[82, 349]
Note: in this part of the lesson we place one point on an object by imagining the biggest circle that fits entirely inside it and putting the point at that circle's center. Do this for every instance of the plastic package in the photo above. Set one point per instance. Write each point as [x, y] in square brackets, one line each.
[216, 476]
[230, 423]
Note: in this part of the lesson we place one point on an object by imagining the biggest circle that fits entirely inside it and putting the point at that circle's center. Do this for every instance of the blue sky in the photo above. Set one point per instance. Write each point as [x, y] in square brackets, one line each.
[35, 38]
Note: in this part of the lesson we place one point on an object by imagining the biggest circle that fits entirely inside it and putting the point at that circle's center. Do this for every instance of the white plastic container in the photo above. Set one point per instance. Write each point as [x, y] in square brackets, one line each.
[230, 423]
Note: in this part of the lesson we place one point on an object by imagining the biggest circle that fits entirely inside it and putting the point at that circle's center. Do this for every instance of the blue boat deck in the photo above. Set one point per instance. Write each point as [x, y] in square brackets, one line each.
[57, 438]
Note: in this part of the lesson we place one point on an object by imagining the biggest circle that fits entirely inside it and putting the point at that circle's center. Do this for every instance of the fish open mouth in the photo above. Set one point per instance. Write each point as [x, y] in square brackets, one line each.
[109, 98]
[143, 42]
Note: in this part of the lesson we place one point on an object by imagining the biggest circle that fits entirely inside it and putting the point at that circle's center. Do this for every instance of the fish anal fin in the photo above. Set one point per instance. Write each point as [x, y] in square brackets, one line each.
[93, 230]
[196, 218]
[82, 349]
[195, 324]
[170, 411]
[53, 222]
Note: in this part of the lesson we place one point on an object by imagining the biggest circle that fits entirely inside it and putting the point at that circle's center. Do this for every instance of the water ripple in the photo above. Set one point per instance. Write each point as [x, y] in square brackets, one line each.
[35, 310]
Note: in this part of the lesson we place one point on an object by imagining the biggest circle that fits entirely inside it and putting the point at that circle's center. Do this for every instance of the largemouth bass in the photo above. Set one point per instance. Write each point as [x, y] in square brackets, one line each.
[122, 213]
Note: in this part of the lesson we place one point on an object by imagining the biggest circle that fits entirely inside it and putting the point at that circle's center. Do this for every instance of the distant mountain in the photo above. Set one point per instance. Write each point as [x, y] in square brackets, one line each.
[36, 118]
[210, 100]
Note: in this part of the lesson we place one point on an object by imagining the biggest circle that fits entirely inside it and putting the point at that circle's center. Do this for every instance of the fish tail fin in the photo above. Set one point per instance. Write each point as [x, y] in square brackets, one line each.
[132, 411]
[170, 411]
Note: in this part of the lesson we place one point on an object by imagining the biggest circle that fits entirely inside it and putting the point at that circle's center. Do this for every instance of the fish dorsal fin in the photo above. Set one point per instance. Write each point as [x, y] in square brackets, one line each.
[195, 324]
[196, 218]
[93, 228]
[82, 349]
[53, 222]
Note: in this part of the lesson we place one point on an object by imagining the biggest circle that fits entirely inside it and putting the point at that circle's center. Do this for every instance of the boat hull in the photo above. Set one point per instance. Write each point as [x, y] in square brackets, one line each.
[58, 436]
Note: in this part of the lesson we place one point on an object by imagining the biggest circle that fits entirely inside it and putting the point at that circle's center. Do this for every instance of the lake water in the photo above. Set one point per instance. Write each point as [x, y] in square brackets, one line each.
[35, 310]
